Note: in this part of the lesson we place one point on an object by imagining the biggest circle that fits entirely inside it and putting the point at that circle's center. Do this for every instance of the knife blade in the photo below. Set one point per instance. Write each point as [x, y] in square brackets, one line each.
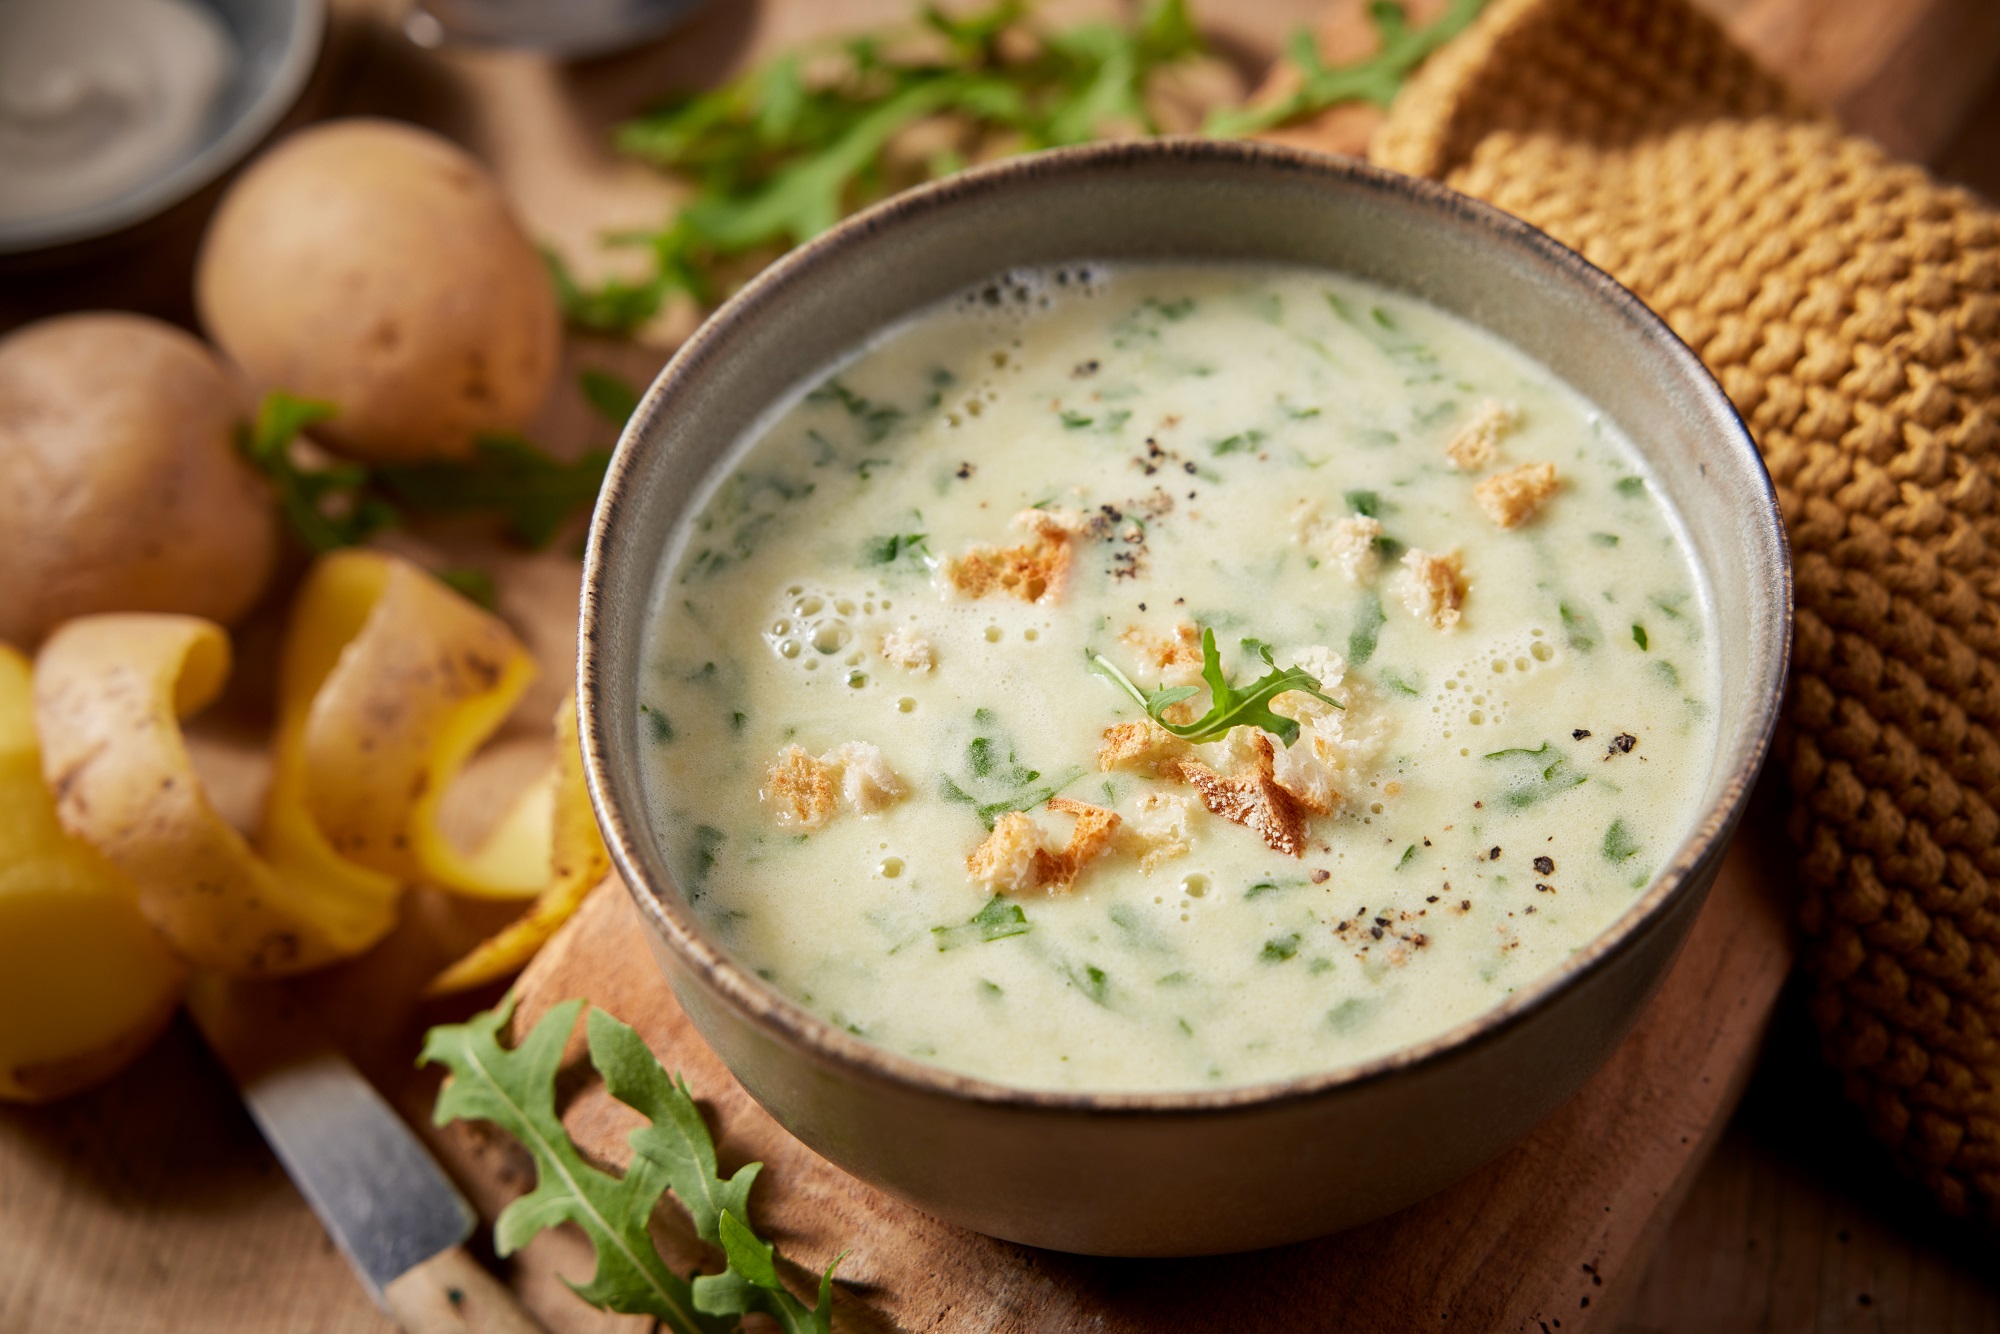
[371, 1182]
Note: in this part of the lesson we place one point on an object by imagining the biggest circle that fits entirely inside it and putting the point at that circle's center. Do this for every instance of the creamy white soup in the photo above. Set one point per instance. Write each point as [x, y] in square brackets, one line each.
[934, 736]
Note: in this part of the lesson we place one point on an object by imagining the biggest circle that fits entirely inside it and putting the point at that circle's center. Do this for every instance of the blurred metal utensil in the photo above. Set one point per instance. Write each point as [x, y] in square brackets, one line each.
[380, 1195]
[565, 28]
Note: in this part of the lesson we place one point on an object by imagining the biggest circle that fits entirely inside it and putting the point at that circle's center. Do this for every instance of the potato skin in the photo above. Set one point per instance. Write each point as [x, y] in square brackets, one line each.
[375, 265]
[120, 485]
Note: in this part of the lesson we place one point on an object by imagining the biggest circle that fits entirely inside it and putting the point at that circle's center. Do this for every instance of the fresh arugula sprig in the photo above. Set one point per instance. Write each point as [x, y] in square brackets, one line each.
[515, 1090]
[1377, 78]
[777, 155]
[334, 504]
[1229, 707]
[327, 506]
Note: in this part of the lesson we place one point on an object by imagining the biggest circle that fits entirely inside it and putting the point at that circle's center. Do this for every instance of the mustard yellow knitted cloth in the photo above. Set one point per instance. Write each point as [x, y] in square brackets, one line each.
[1850, 305]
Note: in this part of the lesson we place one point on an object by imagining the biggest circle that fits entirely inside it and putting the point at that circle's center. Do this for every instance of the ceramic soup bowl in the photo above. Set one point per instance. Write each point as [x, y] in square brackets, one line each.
[1231, 1168]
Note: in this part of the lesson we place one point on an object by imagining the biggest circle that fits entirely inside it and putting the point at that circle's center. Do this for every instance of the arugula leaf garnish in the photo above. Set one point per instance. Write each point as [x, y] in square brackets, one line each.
[612, 397]
[334, 504]
[1229, 707]
[1377, 79]
[507, 476]
[778, 154]
[999, 919]
[515, 1089]
[324, 505]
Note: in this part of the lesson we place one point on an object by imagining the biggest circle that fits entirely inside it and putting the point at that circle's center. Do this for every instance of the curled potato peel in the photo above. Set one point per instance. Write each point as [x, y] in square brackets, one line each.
[423, 678]
[110, 692]
[578, 862]
[388, 683]
[85, 983]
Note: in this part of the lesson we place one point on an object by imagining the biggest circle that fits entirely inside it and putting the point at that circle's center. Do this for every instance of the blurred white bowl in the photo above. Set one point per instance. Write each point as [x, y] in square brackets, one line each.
[276, 43]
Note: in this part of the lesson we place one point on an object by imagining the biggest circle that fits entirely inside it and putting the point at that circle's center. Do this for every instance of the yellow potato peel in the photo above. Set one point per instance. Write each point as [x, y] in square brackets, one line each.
[110, 692]
[85, 983]
[388, 683]
[423, 678]
[580, 860]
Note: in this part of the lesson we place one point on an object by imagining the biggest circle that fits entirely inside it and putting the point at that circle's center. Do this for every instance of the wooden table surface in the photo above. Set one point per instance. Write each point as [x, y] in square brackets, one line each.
[150, 1204]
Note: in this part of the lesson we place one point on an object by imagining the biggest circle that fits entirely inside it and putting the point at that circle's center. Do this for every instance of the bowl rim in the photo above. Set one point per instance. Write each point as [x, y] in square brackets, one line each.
[194, 172]
[784, 1020]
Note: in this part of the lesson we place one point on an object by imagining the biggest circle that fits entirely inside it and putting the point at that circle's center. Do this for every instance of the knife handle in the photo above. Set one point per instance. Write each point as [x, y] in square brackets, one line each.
[451, 1293]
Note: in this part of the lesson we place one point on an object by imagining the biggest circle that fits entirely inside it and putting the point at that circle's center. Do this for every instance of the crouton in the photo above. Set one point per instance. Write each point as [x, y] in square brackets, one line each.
[1172, 661]
[1143, 746]
[909, 650]
[1434, 587]
[866, 780]
[805, 791]
[1096, 829]
[1030, 572]
[1324, 666]
[1159, 830]
[1353, 543]
[1012, 860]
[1471, 448]
[800, 790]
[1511, 498]
[1254, 800]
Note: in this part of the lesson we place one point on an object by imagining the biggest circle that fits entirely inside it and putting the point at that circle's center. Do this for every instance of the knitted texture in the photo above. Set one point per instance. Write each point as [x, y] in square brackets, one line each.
[1850, 306]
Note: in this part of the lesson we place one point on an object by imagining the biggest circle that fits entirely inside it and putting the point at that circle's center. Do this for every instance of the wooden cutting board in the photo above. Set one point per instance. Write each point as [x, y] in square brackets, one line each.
[149, 1205]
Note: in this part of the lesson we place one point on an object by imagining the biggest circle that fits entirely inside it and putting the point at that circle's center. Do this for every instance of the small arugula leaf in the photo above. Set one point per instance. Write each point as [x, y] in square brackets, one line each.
[1228, 707]
[1537, 781]
[751, 1284]
[676, 1140]
[748, 1255]
[506, 475]
[1366, 635]
[778, 154]
[338, 504]
[1027, 799]
[471, 583]
[325, 506]
[999, 919]
[1376, 79]
[612, 397]
[515, 1090]
[1619, 845]
[888, 550]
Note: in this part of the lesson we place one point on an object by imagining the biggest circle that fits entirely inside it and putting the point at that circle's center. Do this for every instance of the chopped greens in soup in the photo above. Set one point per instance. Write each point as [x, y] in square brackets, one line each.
[1167, 677]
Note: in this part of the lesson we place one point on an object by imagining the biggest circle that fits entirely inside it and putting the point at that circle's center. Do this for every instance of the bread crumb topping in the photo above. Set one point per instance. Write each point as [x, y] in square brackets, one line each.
[1031, 572]
[1471, 448]
[1434, 587]
[805, 791]
[1013, 858]
[909, 650]
[1511, 498]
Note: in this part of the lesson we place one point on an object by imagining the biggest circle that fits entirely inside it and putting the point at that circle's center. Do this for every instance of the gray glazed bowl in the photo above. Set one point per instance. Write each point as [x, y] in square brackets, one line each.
[277, 42]
[1228, 1169]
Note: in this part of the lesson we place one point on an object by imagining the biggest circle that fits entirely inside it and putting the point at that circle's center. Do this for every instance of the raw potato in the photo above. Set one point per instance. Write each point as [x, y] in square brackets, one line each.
[120, 485]
[375, 266]
[85, 985]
